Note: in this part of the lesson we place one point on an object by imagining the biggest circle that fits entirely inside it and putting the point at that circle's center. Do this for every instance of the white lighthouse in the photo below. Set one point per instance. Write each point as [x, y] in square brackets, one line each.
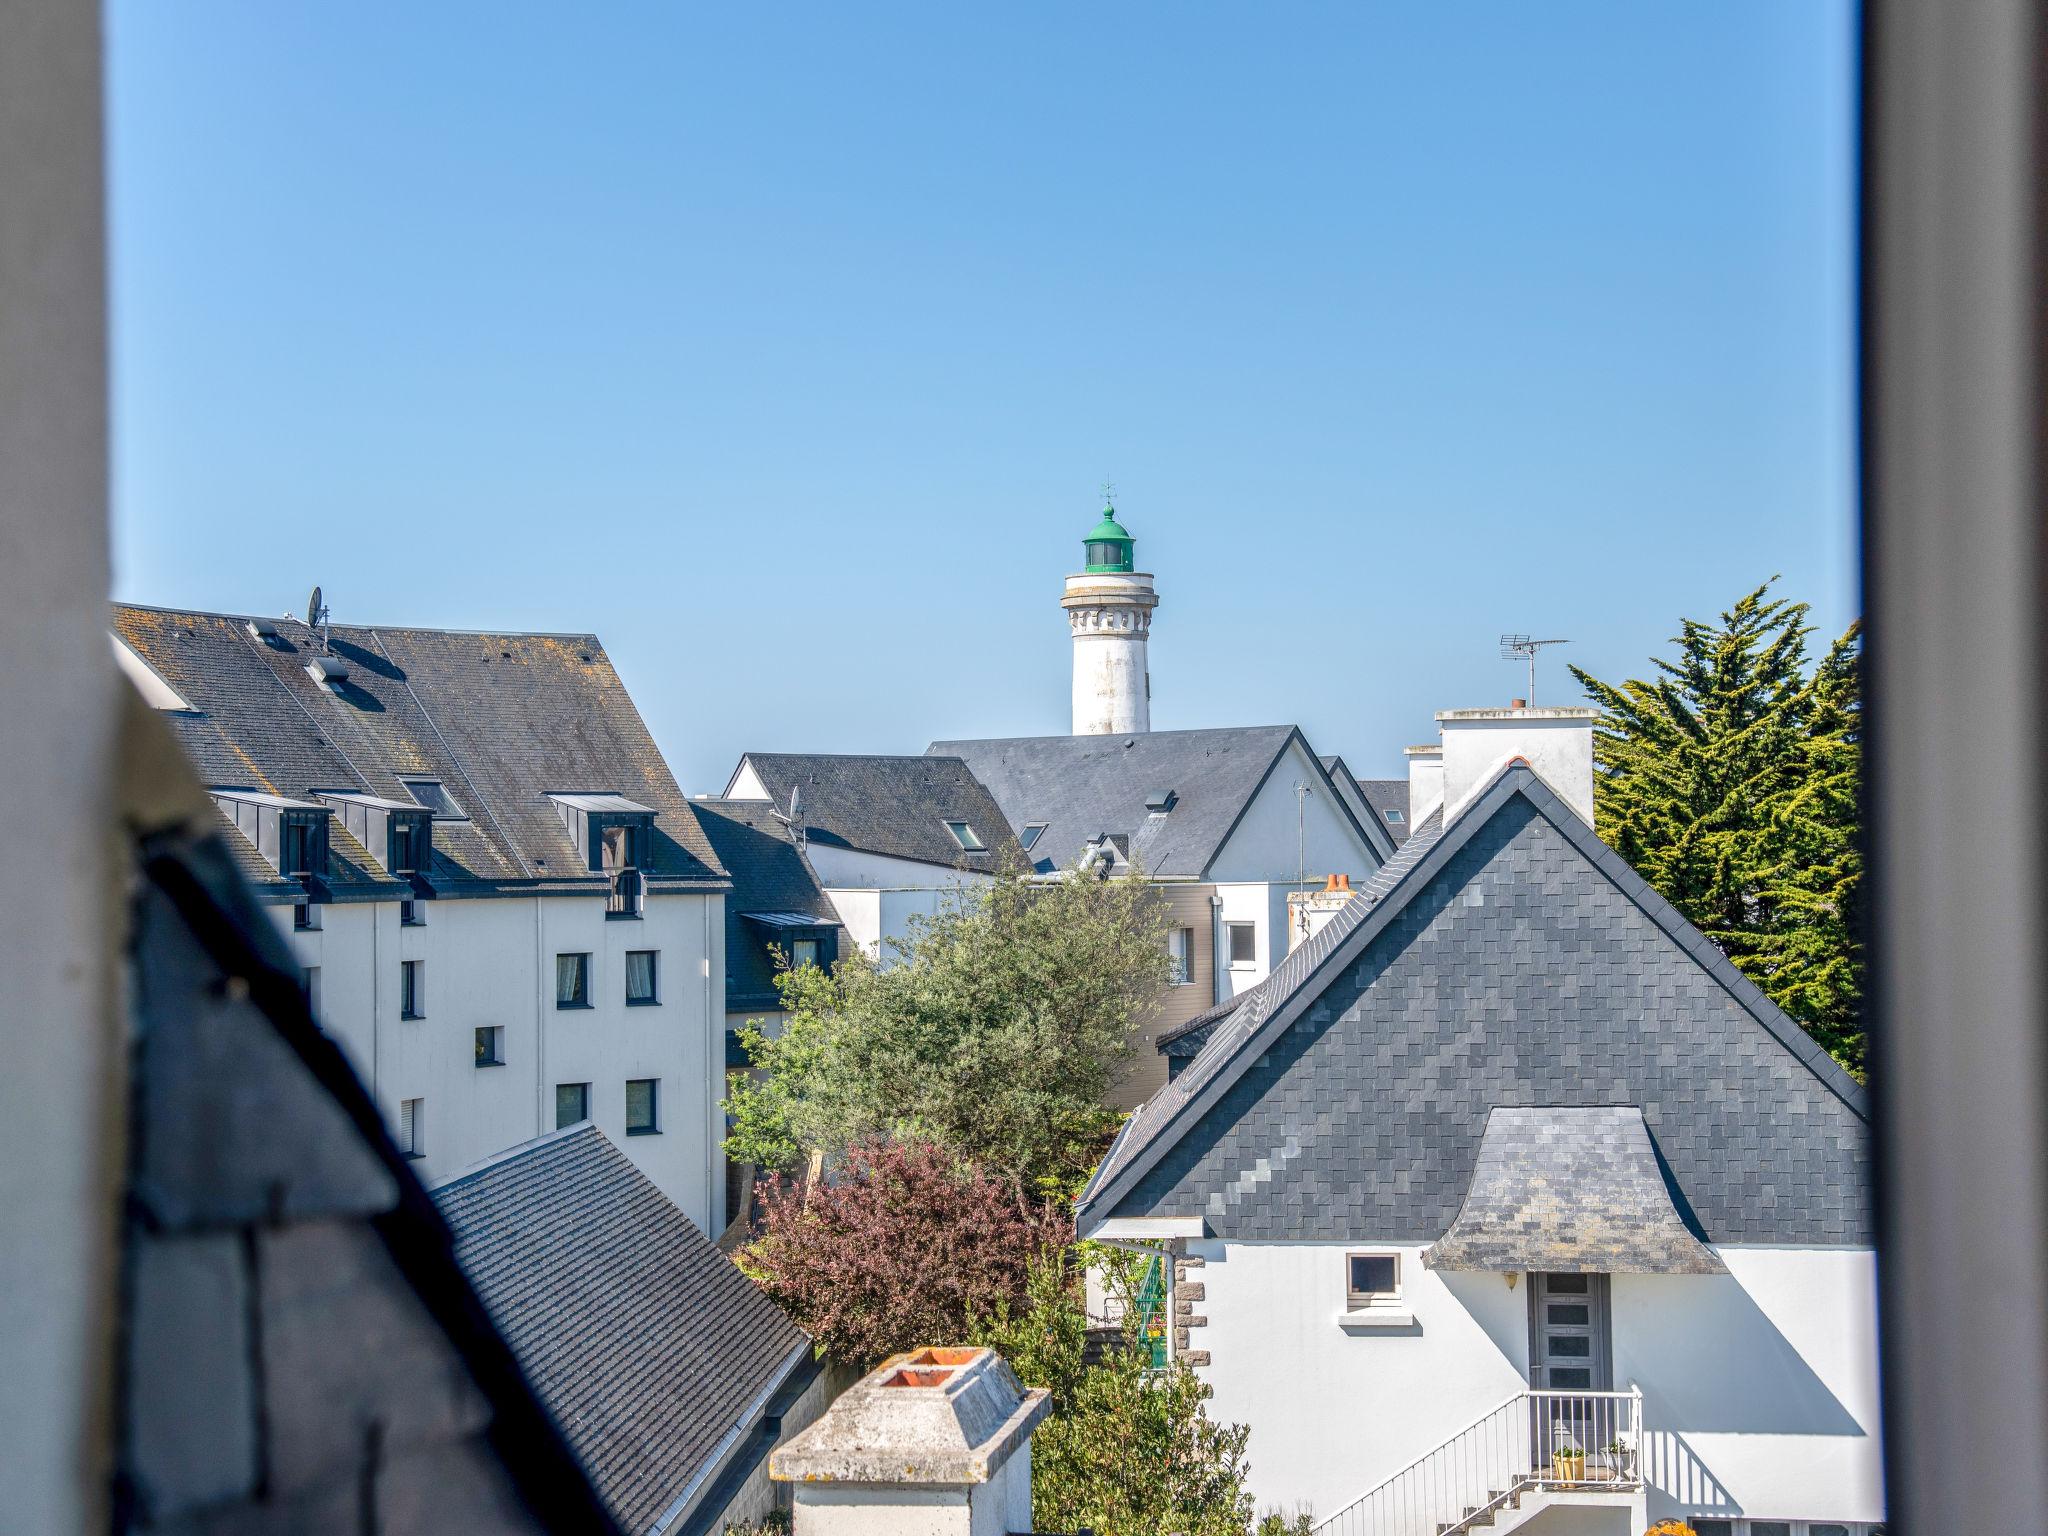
[1109, 605]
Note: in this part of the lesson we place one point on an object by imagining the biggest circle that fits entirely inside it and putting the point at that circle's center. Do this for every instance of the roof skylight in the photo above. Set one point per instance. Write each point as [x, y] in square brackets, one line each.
[435, 797]
[1031, 834]
[963, 834]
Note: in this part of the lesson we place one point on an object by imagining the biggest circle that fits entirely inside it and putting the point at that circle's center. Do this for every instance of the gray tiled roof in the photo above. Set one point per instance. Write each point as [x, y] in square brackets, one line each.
[769, 875]
[1385, 795]
[898, 806]
[1570, 1191]
[641, 1337]
[1512, 959]
[1084, 787]
[501, 720]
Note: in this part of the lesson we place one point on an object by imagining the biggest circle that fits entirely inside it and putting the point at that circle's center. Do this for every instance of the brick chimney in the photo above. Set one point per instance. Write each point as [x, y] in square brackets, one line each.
[936, 1442]
[1556, 742]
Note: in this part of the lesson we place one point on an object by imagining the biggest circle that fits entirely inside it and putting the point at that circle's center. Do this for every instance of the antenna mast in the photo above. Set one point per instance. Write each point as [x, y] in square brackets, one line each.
[1522, 648]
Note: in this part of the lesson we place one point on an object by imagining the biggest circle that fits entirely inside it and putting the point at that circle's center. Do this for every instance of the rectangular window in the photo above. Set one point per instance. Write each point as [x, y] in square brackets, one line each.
[963, 834]
[1370, 1278]
[306, 917]
[430, 793]
[1030, 835]
[1713, 1527]
[412, 1127]
[412, 989]
[1244, 943]
[572, 1104]
[1770, 1528]
[572, 981]
[1825, 1528]
[412, 914]
[643, 1106]
[490, 1045]
[309, 983]
[1180, 956]
[640, 978]
[803, 952]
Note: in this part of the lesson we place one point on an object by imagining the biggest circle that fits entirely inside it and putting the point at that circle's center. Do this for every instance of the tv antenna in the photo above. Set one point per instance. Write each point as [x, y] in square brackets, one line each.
[316, 617]
[1522, 648]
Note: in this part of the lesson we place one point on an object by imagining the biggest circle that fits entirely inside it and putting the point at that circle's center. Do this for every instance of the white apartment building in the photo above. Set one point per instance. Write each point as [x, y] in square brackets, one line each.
[502, 906]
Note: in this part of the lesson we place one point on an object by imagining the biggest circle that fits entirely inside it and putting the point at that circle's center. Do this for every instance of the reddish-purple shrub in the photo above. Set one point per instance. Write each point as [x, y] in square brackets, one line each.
[898, 1249]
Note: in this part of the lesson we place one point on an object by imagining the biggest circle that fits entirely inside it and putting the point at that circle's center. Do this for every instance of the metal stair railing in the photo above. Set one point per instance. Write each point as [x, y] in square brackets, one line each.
[1541, 1439]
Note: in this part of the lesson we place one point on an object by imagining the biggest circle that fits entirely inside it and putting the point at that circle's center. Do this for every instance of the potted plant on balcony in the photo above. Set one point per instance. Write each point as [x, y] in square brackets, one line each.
[1620, 1458]
[1567, 1464]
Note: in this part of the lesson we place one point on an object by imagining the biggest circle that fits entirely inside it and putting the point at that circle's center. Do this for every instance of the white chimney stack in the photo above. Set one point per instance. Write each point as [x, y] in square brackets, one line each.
[936, 1442]
[1556, 742]
[1425, 781]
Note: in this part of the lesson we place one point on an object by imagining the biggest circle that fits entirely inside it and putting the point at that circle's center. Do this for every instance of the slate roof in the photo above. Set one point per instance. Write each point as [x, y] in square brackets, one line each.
[1086, 787]
[770, 877]
[1511, 959]
[1385, 795]
[1570, 1191]
[502, 720]
[644, 1341]
[897, 806]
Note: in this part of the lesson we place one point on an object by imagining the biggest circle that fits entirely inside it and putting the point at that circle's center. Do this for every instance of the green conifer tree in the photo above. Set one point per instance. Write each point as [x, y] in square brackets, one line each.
[1730, 781]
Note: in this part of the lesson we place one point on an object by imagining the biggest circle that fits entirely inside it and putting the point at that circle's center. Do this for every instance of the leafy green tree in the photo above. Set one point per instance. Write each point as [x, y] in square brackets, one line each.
[1126, 1450]
[1729, 780]
[997, 1035]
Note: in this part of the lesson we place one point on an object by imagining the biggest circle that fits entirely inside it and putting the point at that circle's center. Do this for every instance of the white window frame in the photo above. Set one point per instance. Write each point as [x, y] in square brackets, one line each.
[1033, 831]
[1180, 957]
[965, 835]
[1375, 1309]
[1230, 932]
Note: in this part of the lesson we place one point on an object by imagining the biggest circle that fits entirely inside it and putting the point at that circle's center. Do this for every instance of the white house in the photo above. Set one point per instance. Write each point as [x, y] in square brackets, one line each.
[1228, 822]
[1508, 1202]
[889, 838]
[501, 905]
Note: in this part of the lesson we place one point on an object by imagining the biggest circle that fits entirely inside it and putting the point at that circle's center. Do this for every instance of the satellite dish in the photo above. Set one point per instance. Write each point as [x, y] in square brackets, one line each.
[313, 609]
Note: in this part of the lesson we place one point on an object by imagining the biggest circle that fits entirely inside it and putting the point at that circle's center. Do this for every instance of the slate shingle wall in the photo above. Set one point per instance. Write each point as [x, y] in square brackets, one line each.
[1520, 976]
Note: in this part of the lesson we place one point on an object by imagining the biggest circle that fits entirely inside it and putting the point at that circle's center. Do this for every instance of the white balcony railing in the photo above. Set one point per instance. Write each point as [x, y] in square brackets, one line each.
[1555, 1441]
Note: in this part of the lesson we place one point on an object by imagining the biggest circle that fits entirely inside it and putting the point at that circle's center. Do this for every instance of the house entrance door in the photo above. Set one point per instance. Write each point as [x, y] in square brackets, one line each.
[1568, 1333]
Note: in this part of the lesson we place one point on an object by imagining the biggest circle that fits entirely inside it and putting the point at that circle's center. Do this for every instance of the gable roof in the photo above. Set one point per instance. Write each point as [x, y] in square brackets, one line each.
[646, 1343]
[772, 882]
[1085, 787]
[1385, 795]
[1236, 1037]
[1346, 783]
[895, 806]
[501, 720]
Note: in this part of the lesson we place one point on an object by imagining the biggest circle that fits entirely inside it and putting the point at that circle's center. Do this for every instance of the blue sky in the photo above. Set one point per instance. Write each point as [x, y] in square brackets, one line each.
[787, 348]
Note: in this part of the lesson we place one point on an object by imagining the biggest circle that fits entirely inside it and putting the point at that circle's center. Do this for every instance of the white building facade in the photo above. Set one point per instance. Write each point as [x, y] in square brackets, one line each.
[501, 906]
[1507, 1202]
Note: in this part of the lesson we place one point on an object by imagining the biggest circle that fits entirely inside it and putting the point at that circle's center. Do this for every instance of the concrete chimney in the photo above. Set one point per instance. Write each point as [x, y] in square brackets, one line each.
[1556, 742]
[936, 1442]
[1425, 781]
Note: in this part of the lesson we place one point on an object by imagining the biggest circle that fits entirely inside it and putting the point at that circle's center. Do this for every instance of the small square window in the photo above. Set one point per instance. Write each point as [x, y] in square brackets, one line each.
[412, 914]
[963, 834]
[1032, 832]
[803, 952]
[412, 989]
[641, 976]
[1244, 943]
[490, 1045]
[1180, 956]
[1394, 817]
[306, 917]
[412, 1127]
[643, 1106]
[572, 1104]
[1371, 1278]
[572, 981]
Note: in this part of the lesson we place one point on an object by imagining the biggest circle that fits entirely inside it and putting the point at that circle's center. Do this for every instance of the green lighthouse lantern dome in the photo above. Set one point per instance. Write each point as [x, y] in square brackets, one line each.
[1109, 547]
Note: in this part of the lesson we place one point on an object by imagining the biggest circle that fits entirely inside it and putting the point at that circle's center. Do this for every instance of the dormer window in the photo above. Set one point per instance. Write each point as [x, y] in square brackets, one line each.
[615, 836]
[302, 845]
[964, 835]
[1160, 801]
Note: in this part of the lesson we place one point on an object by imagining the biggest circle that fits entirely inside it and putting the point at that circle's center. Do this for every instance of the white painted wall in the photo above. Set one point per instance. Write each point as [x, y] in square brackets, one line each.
[491, 961]
[1759, 1388]
[849, 868]
[1558, 744]
[1265, 907]
[1110, 616]
[1266, 845]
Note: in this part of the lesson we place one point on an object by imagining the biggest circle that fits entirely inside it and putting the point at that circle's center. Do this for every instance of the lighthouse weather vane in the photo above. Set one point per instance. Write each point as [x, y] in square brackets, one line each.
[1108, 493]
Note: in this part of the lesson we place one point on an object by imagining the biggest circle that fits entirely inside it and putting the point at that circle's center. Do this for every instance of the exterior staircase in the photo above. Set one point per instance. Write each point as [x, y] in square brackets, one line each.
[1534, 1450]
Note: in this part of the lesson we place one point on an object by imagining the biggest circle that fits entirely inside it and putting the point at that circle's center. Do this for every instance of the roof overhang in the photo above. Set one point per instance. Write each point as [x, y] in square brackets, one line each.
[790, 920]
[1573, 1191]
